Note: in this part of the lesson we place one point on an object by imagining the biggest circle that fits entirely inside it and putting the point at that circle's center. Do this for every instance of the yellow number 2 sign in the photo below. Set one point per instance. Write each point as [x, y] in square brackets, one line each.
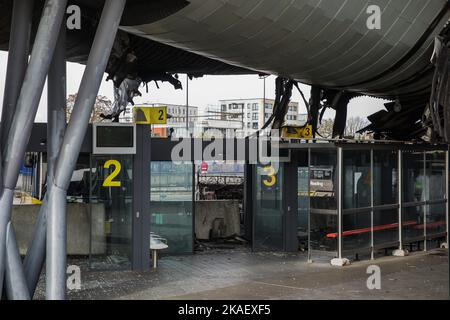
[109, 181]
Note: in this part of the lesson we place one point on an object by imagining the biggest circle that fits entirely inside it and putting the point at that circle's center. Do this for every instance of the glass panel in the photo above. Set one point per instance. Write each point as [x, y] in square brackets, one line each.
[171, 205]
[111, 211]
[385, 226]
[78, 190]
[356, 230]
[436, 222]
[357, 180]
[385, 176]
[323, 213]
[413, 177]
[435, 175]
[303, 204]
[412, 221]
[268, 232]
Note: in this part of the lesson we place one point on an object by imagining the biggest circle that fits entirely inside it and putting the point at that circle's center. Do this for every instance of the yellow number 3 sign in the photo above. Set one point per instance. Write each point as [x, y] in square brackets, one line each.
[109, 181]
[271, 174]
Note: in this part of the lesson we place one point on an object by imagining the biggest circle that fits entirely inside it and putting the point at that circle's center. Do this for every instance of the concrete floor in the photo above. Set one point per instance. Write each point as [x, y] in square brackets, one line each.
[243, 275]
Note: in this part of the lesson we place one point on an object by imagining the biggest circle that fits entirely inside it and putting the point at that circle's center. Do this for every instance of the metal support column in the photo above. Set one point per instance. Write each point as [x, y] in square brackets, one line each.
[16, 286]
[17, 63]
[309, 207]
[447, 206]
[26, 109]
[426, 196]
[400, 199]
[372, 253]
[71, 145]
[18, 52]
[339, 199]
[56, 115]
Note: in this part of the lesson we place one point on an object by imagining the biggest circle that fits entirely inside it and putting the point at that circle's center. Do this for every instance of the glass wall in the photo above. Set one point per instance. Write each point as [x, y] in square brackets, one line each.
[413, 195]
[303, 204]
[323, 199]
[111, 202]
[356, 187]
[171, 205]
[268, 209]
[385, 198]
[435, 191]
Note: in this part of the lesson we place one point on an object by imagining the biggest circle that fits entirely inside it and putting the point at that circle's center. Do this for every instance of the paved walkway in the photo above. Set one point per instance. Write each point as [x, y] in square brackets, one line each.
[243, 275]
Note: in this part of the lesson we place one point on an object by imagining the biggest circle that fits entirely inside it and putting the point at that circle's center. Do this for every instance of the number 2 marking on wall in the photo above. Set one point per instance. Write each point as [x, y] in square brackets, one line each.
[109, 181]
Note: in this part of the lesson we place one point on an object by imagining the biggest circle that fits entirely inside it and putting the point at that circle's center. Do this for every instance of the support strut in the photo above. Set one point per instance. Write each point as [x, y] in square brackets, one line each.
[71, 145]
[26, 109]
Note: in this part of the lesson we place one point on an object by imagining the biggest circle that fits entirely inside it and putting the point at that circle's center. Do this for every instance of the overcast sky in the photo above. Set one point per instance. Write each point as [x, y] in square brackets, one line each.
[203, 91]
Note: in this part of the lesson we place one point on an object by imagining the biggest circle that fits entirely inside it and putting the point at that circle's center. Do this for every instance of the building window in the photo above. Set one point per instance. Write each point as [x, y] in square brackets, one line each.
[255, 107]
[255, 125]
[255, 116]
[224, 107]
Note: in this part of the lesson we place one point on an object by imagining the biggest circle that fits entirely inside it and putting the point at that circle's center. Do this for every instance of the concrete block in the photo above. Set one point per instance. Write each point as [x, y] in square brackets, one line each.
[340, 262]
[80, 222]
[400, 253]
[222, 216]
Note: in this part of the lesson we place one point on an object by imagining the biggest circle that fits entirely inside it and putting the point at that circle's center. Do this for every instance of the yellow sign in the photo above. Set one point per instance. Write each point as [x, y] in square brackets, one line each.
[271, 174]
[150, 115]
[109, 181]
[305, 132]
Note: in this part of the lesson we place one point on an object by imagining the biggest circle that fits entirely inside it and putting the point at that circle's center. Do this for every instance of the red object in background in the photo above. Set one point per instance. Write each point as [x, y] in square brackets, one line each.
[204, 167]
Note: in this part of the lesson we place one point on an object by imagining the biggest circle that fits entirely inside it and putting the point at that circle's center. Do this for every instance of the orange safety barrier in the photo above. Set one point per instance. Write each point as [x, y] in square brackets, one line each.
[367, 230]
[387, 227]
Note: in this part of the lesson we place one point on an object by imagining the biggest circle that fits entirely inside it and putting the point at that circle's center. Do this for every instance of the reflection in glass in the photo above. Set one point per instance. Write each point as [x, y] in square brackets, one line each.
[171, 204]
[385, 225]
[111, 211]
[413, 177]
[303, 202]
[323, 202]
[356, 230]
[436, 218]
[412, 222]
[385, 176]
[357, 180]
[268, 232]
[435, 181]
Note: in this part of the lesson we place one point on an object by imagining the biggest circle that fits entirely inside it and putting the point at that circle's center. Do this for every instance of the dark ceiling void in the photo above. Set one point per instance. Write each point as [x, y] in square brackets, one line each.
[153, 57]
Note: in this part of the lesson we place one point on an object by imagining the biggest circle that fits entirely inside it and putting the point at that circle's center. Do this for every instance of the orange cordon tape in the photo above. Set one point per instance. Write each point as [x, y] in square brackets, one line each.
[367, 230]
[387, 227]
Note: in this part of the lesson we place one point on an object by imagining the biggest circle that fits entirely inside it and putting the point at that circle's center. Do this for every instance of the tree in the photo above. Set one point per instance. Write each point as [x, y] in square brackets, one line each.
[354, 124]
[102, 105]
[325, 129]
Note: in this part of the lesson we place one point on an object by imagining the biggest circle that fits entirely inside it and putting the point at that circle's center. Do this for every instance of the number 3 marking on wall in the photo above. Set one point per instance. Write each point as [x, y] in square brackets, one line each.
[109, 181]
[271, 174]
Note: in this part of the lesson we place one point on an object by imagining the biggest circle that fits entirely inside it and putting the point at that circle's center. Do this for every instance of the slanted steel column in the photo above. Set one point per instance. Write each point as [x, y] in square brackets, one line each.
[18, 51]
[16, 286]
[56, 126]
[34, 259]
[26, 108]
[71, 145]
